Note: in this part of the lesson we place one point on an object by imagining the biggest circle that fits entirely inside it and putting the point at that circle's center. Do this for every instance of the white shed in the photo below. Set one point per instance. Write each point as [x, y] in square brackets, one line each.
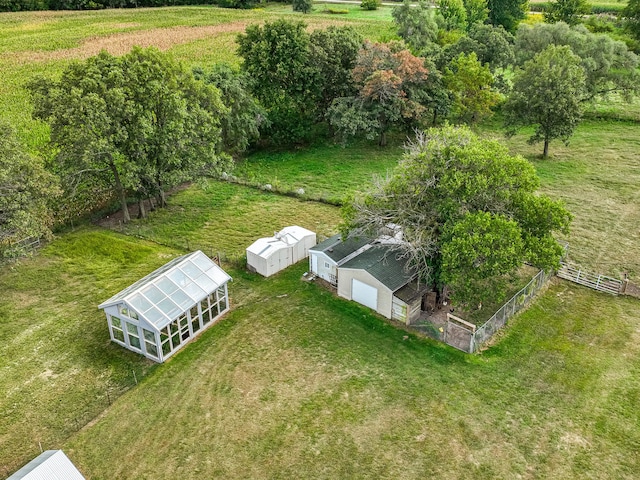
[49, 465]
[161, 313]
[288, 246]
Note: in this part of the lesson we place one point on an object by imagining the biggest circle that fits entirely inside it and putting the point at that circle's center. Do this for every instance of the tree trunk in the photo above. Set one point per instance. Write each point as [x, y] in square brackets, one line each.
[383, 139]
[435, 116]
[163, 198]
[142, 213]
[152, 206]
[545, 154]
[120, 191]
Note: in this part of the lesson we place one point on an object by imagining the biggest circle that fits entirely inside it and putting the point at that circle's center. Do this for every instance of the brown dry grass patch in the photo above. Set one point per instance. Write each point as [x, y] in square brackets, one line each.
[121, 43]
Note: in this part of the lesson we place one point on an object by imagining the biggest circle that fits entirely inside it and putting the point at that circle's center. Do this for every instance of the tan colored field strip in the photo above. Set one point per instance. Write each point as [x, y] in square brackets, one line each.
[162, 38]
[121, 43]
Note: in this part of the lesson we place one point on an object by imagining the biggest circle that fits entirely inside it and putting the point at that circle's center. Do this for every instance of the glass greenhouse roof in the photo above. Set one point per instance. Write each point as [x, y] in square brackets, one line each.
[172, 289]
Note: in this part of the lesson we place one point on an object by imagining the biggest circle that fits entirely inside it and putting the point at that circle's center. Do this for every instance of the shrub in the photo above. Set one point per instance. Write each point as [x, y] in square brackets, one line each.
[303, 6]
[370, 4]
[336, 11]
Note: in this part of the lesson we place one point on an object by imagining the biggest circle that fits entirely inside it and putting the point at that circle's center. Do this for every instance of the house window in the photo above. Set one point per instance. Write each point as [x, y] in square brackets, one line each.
[116, 329]
[326, 265]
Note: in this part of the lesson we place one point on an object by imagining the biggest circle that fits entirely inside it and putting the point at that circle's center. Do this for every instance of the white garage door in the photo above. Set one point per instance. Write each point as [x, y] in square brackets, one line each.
[364, 294]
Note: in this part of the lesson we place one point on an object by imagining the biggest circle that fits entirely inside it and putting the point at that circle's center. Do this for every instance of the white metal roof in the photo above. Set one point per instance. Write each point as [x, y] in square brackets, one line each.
[49, 465]
[288, 236]
[172, 289]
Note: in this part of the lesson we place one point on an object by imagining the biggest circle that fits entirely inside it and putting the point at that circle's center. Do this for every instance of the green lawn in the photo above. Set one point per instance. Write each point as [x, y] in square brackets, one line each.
[227, 218]
[58, 368]
[297, 383]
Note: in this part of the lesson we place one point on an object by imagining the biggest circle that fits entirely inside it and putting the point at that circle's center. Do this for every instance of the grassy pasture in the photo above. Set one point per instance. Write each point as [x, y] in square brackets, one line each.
[58, 369]
[597, 176]
[222, 217]
[56, 359]
[296, 380]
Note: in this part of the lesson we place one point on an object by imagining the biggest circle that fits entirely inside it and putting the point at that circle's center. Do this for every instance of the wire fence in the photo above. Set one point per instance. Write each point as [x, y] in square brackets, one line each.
[520, 300]
[69, 420]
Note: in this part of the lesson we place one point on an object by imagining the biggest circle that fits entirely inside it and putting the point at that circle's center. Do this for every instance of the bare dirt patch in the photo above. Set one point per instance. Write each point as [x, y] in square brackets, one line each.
[121, 43]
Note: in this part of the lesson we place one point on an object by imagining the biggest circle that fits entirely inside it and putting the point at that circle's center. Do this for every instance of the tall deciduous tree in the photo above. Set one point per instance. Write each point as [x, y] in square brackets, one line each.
[138, 122]
[631, 17]
[567, 11]
[391, 91]
[494, 46]
[471, 85]
[417, 24]
[25, 191]
[467, 209]
[454, 14]
[277, 60]
[507, 13]
[241, 124]
[608, 64]
[86, 110]
[477, 12]
[334, 52]
[546, 93]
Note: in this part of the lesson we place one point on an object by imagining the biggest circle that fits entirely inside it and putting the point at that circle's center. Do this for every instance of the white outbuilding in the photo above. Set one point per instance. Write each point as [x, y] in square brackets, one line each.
[161, 313]
[267, 256]
[49, 465]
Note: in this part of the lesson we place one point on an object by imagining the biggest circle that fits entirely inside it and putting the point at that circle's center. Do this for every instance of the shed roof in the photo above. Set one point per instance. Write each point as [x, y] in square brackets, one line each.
[49, 465]
[172, 289]
[265, 247]
[337, 249]
[384, 264]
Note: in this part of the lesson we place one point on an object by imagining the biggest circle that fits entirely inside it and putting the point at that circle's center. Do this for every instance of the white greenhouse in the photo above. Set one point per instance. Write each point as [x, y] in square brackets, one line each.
[159, 314]
[288, 246]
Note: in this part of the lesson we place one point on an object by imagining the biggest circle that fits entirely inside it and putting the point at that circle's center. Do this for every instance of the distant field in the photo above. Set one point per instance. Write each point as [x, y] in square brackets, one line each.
[33, 43]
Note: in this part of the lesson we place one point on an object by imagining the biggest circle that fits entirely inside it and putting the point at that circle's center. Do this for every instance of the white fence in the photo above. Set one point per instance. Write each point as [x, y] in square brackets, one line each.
[602, 283]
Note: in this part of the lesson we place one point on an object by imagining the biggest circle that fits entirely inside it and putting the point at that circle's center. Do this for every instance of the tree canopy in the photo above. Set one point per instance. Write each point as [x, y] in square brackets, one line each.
[25, 191]
[391, 90]
[546, 93]
[507, 13]
[609, 66]
[631, 17]
[417, 24]
[567, 11]
[294, 75]
[468, 210]
[470, 84]
[139, 123]
[241, 124]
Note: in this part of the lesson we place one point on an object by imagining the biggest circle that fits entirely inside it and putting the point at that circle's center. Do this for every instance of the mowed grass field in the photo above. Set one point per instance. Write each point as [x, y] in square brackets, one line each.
[295, 382]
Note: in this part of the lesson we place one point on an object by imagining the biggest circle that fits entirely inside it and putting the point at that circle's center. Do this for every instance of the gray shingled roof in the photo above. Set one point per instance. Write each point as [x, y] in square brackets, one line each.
[336, 249]
[383, 263]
